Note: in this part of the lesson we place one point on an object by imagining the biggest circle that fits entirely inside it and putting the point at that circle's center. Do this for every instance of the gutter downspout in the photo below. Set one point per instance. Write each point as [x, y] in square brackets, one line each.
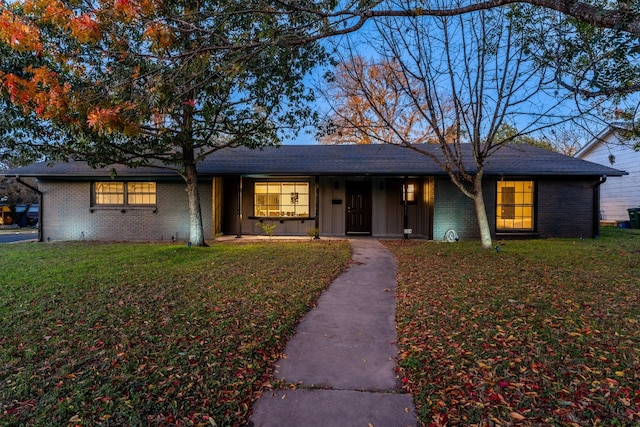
[317, 210]
[596, 206]
[405, 207]
[32, 188]
[239, 211]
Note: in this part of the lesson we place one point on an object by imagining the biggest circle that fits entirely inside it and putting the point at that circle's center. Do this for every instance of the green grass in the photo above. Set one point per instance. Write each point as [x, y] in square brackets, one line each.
[124, 334]
[544, 332]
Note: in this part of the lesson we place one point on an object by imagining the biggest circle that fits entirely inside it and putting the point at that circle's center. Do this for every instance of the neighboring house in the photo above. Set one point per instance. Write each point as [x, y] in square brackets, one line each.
[611, 148]
[378, 190]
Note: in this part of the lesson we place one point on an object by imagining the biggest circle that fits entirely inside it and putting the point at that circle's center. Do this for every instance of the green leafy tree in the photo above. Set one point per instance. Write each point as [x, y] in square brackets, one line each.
[590, 61]
[509, 134]
[153, 82]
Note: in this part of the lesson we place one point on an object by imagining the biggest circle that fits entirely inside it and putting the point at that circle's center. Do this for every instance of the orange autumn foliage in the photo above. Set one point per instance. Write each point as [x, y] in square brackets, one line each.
[85, 28]
[159, 35]
[41, 93]
[40, 90]
[20, 35]
[112, 119]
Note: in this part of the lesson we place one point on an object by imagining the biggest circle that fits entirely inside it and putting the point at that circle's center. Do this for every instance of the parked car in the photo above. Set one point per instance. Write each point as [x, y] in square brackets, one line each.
[33, 215]
[27, 215]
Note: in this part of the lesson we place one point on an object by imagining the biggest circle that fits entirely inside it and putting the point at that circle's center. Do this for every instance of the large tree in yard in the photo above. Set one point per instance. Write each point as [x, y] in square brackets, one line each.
[372, 105]
[160, 83]
[465, 79]
[591, 44]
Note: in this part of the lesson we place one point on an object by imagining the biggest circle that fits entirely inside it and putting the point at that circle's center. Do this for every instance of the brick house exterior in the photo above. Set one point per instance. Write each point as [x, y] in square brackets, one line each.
[69, 215]
[383, 191]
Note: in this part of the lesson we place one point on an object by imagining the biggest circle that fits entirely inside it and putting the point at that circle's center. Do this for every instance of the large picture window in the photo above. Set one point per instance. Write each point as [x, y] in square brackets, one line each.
[515, 205]
[281, 199]
[124, 193]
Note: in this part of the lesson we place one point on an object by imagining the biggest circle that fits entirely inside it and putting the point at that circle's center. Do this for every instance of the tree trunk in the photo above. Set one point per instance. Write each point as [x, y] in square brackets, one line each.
[481, 212]
[196, 231]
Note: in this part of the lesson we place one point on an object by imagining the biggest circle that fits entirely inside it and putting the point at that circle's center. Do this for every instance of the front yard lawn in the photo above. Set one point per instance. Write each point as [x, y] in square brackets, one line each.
[541, 333]
[133, 334]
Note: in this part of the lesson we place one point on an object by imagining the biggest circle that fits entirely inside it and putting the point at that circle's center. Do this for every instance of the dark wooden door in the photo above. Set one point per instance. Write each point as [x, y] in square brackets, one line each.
[358, 207]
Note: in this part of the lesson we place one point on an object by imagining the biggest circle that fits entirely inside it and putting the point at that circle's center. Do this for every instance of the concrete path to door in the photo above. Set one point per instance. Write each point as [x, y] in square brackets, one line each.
[342, 357]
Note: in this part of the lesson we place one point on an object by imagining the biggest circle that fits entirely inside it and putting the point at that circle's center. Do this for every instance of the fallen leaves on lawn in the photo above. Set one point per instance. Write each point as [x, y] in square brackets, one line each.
[522, 337]
[150, 334]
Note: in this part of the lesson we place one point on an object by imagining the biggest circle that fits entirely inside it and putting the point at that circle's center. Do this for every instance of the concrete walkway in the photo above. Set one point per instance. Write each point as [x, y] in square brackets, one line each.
[342, 357]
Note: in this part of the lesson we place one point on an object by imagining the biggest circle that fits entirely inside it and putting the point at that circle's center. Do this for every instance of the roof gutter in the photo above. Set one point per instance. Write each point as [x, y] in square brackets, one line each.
[32, 188]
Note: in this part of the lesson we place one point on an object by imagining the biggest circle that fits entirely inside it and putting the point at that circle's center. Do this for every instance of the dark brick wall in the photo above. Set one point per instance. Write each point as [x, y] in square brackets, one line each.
[565, 207]
[452, 209]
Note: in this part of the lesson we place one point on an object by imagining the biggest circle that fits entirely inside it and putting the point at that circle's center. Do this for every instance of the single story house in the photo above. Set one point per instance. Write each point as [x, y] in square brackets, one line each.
[612, 148]
[341, 190]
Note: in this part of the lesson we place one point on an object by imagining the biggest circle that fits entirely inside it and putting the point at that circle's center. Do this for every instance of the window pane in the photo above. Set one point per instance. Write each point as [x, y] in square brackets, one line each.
[288, 188]
[410, 192]
[109, 193]
[514, 207]
[274, 188]
[281, 199]
[141, 193]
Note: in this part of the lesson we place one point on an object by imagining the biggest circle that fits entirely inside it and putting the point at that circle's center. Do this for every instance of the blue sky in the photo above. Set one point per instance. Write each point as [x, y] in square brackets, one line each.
[543, 100]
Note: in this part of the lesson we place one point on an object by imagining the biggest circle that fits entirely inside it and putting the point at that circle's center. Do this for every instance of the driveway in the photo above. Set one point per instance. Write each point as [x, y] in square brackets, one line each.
[12, 236]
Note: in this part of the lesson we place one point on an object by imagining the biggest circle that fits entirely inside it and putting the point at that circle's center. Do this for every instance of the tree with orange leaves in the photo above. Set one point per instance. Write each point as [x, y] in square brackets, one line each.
[160, 83]
[370, 103]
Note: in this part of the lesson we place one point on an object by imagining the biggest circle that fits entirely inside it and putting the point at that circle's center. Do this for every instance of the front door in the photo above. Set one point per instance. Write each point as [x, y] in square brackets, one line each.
[358, 207]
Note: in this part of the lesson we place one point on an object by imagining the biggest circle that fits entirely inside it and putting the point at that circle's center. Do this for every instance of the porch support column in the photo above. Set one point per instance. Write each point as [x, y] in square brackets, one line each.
[405, 207]
[317, 213]
[239, 208]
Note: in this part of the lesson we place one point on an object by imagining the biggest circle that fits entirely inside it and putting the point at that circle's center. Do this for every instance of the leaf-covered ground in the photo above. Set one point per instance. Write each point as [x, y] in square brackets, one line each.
[144, 335]
[541, 333]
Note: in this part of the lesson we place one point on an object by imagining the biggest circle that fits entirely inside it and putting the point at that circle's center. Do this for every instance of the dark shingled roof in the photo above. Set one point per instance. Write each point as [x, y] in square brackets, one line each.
[340, 160]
